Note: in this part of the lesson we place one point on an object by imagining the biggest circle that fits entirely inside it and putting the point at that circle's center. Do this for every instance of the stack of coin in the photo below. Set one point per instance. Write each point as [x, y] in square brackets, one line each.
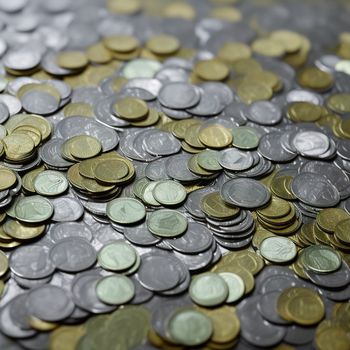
[279, 217]
[100, 177]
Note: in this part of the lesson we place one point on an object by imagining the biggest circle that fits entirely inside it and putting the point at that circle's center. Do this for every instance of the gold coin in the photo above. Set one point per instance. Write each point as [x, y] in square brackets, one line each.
[215, 136]
[211, 70]
[72, 60]
[111, 170]
[246, 259]
[342, 231]
[74, 177]
[79, 109]
[123, 7]
[40, 325]
[20, 231]
[121, 43]
[84, 146]
[4, 264]
[339, 103]
[269, 78]
[152, 118]
[277, 208]
[327, 219]
[291, 41]
[226, 324]
[163, 44]
[246, 65]
[189, 149]
[268, 47]
[242, 272]
[18, 146]
[192, 136]
[315, 78]
[66, 337]
[332, 338]
[250, 91]
[97, 53]
[281, 187]
[28, 179]
[93, 186]
[180, 127]
[229, 14]
[7, 178]
[131, 108]
[213, 206]
[179, 9]
[30, 131]
[304, 112]
[234, 51]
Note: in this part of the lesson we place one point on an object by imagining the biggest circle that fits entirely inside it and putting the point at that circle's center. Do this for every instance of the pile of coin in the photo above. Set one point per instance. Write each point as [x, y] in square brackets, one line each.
[174, 175]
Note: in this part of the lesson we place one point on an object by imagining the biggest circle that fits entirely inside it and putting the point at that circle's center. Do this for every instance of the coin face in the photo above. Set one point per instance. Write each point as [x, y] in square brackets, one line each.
[278, 249]
[126, 210]
[33, 209]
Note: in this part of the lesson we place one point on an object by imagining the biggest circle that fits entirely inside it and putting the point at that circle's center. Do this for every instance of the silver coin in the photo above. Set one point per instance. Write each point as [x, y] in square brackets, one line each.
[245, 193]
[66, 209]
[72, 254]
[31, 261]
[69, 229]
[161, 143]
[311, 143]
[264, 113]
[234, 159]
[50, 303]
[315, 189]
[178, 95]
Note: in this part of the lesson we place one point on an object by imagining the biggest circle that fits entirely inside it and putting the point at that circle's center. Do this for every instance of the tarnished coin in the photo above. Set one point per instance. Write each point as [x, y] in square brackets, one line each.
[169, 193]
[50, 183]
[117, 256]
[278, 249]
[125, 210]
[209, 289]
[115, 290]
[167, 223]
[33, 209]
[189, 327]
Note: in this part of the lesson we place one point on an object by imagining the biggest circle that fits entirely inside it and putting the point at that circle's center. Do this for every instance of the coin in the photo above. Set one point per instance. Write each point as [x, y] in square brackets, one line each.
[125, 210]
[178, 327]
[117, 256]
[167, 223]
[115, 290]
[320, 259]
[33, 209]
[209, 289]
[278, 249]
[50, 183]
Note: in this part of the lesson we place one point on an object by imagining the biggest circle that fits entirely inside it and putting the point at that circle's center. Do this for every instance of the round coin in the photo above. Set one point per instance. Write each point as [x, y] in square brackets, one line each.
[50, 183]
[245, 193]
[125, 210]
[189, 327]
[169, 193]
[167, 223]
[320, 259]
[115, 289]
[117, 256]
[209, 289]
[33, 209]
[236, 287]
[278, 249]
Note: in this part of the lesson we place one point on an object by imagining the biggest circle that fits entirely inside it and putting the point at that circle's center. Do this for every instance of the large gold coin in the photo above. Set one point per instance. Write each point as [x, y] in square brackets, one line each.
[213, 206]
[314, 78]
[268, 47]
[277, 208]
[215, 136]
